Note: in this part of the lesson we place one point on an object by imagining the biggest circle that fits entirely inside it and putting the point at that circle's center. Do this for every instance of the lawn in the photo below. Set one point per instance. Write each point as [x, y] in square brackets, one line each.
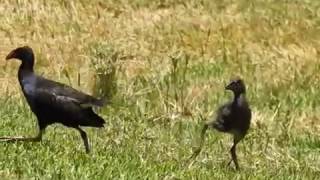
[163, 64]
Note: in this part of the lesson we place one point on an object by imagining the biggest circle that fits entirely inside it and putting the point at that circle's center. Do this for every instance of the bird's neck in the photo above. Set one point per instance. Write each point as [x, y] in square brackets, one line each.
[27, 64]
[25, 69]
[238, 97]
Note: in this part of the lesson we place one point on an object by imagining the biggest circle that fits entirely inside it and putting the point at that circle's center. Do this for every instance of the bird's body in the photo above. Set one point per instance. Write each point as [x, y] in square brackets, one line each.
[233, 117]
[54, 102]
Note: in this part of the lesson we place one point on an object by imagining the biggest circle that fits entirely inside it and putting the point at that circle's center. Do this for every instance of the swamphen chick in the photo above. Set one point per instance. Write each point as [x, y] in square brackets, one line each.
[53, 102]
[233, 117]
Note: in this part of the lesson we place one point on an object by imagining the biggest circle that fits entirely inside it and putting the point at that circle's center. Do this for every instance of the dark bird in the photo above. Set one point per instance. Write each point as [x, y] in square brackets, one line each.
[53, 102]
[233, 117]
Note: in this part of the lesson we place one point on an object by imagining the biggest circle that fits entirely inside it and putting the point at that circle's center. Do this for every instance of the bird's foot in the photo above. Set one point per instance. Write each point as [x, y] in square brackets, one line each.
[87, 150]
[195, 153]
[229, 165]
[20, 138]
[7, 138]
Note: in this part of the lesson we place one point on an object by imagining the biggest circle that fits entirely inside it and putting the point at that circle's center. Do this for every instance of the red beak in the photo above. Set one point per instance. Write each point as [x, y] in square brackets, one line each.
[11, 55]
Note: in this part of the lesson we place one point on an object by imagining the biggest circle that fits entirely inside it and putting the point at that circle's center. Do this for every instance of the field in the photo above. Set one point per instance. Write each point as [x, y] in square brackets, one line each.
[163, 64]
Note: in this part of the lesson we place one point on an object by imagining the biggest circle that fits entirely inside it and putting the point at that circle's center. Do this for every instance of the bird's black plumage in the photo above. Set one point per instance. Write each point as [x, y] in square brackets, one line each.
[54, 102]
[233, 117]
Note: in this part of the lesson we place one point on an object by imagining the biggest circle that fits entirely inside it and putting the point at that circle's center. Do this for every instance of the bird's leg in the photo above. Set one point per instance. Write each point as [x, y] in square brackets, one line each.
[29, 139]
[84, 138]
[202, 137]
[236, 140]
[234, 156]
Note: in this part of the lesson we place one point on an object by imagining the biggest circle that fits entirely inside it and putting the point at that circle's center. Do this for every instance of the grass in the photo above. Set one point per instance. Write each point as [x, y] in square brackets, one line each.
[166, 63]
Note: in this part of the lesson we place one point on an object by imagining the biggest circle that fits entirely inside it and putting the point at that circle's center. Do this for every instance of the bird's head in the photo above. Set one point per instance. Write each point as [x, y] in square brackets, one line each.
[237, 86]
[24, 53]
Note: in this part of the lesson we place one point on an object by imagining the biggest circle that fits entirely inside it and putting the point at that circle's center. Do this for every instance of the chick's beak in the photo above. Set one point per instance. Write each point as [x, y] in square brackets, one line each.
[228, 87]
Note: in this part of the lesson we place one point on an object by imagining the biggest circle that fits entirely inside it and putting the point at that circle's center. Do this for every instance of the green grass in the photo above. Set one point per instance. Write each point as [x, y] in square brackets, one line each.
[163, 64]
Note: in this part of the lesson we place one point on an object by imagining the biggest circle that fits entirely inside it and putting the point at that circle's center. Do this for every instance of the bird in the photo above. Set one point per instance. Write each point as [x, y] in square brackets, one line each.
[233, 117]
[53, 102]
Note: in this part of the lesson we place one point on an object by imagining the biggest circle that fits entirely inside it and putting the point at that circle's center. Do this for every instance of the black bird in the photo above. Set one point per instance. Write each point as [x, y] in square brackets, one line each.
[233, 117]
[53, 102]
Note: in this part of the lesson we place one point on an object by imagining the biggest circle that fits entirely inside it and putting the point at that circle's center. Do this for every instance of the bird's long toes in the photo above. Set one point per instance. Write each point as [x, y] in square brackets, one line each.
[236, 166]
[7, 140]
[195, 153]
[10, 138]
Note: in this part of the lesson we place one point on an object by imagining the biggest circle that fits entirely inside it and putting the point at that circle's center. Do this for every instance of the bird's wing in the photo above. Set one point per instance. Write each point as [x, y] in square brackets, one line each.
[58, 92]
[224, 111]
[223, 114]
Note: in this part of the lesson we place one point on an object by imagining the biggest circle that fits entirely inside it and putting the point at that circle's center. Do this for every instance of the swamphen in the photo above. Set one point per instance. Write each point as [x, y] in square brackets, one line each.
[53, 102]
[233, 117]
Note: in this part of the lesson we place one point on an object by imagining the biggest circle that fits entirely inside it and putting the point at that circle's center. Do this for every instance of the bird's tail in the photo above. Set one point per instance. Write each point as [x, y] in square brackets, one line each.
[93, 102]
[94, 120]
[103, 101]
[99, 102]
